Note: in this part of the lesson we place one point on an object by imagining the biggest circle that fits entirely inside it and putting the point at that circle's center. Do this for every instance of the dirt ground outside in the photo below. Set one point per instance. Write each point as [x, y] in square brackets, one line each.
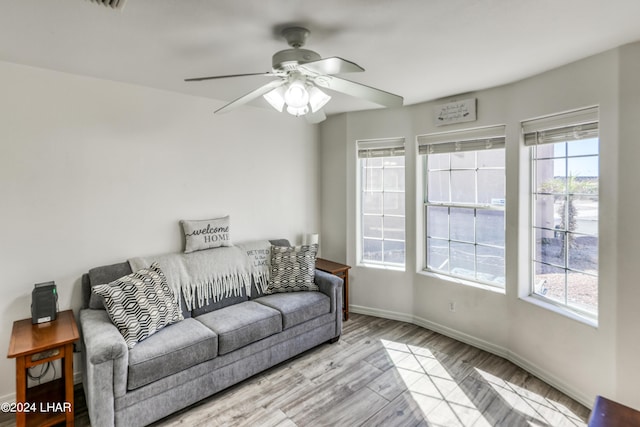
[581, 287]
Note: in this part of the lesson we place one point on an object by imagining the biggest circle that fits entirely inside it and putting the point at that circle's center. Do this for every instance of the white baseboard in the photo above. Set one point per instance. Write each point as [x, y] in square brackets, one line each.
[8, 398]
[514, 358]
[385, 314]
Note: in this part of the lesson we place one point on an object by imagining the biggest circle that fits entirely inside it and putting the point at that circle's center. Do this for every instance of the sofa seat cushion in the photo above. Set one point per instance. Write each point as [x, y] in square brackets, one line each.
[242, 324]
[297, 307]
[170, 350]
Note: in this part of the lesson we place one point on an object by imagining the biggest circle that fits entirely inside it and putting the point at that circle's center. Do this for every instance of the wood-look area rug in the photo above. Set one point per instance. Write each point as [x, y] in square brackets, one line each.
[385, 373]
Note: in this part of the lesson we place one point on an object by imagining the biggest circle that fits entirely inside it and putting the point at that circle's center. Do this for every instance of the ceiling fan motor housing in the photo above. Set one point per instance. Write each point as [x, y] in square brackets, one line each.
[300, 72]
[289, 59]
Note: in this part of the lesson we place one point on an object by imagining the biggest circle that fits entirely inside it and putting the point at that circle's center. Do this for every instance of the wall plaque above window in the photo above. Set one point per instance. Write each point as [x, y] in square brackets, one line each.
[455, 112]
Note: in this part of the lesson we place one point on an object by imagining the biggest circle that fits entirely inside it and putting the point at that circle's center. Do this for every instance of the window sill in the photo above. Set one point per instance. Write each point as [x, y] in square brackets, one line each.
[566, 312]
[463, 282]
[381, 266]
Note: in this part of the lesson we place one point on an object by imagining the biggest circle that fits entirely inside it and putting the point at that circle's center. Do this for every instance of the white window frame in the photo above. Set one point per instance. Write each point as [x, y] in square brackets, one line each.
[477, 139]
[575, 125]
[378, 148]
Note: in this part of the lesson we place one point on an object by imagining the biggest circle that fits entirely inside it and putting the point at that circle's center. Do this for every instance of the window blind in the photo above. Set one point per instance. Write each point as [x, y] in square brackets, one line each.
[571, 126]
[486, 138]
[380, 148]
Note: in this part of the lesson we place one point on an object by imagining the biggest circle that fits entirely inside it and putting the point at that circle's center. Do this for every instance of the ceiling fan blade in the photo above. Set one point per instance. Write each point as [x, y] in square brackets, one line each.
[316, 117]
[197, 79]
[251, 96]
[359, 91]
[333, 65]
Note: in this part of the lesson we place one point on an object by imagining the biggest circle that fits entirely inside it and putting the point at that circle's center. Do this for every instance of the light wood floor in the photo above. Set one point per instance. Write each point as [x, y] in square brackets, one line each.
[384, 373]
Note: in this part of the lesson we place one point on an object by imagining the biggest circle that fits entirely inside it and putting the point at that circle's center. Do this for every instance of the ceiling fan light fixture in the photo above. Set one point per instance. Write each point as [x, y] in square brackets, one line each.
[317, 99]
[296, 95]
[299, 74]
[297, 111]
[275, 98]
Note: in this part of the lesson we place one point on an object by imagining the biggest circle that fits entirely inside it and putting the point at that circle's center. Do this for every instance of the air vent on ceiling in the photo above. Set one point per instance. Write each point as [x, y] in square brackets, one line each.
[115, 4]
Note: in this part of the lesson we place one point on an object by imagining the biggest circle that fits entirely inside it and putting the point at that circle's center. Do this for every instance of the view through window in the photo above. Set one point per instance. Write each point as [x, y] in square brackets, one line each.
[565, 206]
[382, 203]
[464, 204]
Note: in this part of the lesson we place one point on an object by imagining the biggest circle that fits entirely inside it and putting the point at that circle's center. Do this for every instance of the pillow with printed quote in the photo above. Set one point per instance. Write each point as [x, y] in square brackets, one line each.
[206, 234]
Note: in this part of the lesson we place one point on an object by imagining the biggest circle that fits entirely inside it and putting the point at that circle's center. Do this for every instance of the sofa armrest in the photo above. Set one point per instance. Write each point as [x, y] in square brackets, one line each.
[331, 286]
[104, 367]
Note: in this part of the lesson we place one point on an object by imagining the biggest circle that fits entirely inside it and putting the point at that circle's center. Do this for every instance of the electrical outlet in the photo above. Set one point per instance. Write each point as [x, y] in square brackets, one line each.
[452, 306]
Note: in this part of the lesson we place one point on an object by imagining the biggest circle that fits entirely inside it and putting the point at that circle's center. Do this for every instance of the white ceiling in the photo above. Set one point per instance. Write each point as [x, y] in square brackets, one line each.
[419, 49]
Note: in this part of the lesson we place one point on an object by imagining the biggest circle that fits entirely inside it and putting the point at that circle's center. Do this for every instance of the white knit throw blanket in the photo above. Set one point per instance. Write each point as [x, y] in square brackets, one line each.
[207, 275]
[259, 254]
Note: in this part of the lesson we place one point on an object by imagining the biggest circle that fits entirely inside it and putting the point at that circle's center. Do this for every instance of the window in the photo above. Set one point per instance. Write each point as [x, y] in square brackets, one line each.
[464, 175]
[564, 209]
[382, 216]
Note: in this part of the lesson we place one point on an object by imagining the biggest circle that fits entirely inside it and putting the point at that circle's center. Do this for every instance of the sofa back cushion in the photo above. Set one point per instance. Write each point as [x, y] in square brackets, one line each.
[221, 303]
[103, 275]
[226, 302]
[107, 274]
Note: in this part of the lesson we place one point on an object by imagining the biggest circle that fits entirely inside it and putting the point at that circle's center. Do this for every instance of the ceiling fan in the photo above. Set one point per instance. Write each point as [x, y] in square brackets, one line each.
[299, 74]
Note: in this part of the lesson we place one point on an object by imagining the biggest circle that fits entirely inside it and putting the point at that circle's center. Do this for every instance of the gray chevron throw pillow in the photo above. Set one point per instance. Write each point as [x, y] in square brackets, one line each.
[292, 269]
[140, 304]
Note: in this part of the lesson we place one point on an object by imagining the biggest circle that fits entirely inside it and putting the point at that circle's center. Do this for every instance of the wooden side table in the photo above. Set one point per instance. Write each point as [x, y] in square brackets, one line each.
[52, 402]
[607, 413]
[342, 271]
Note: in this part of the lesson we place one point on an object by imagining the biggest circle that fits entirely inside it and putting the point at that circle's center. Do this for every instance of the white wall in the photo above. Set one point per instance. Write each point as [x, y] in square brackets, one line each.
[628, 298]
[377, 289]
[580, 359]
[333, 191]
[93, 172]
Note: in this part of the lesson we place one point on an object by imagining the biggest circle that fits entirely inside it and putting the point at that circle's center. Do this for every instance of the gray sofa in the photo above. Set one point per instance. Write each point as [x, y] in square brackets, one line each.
[216, 346]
